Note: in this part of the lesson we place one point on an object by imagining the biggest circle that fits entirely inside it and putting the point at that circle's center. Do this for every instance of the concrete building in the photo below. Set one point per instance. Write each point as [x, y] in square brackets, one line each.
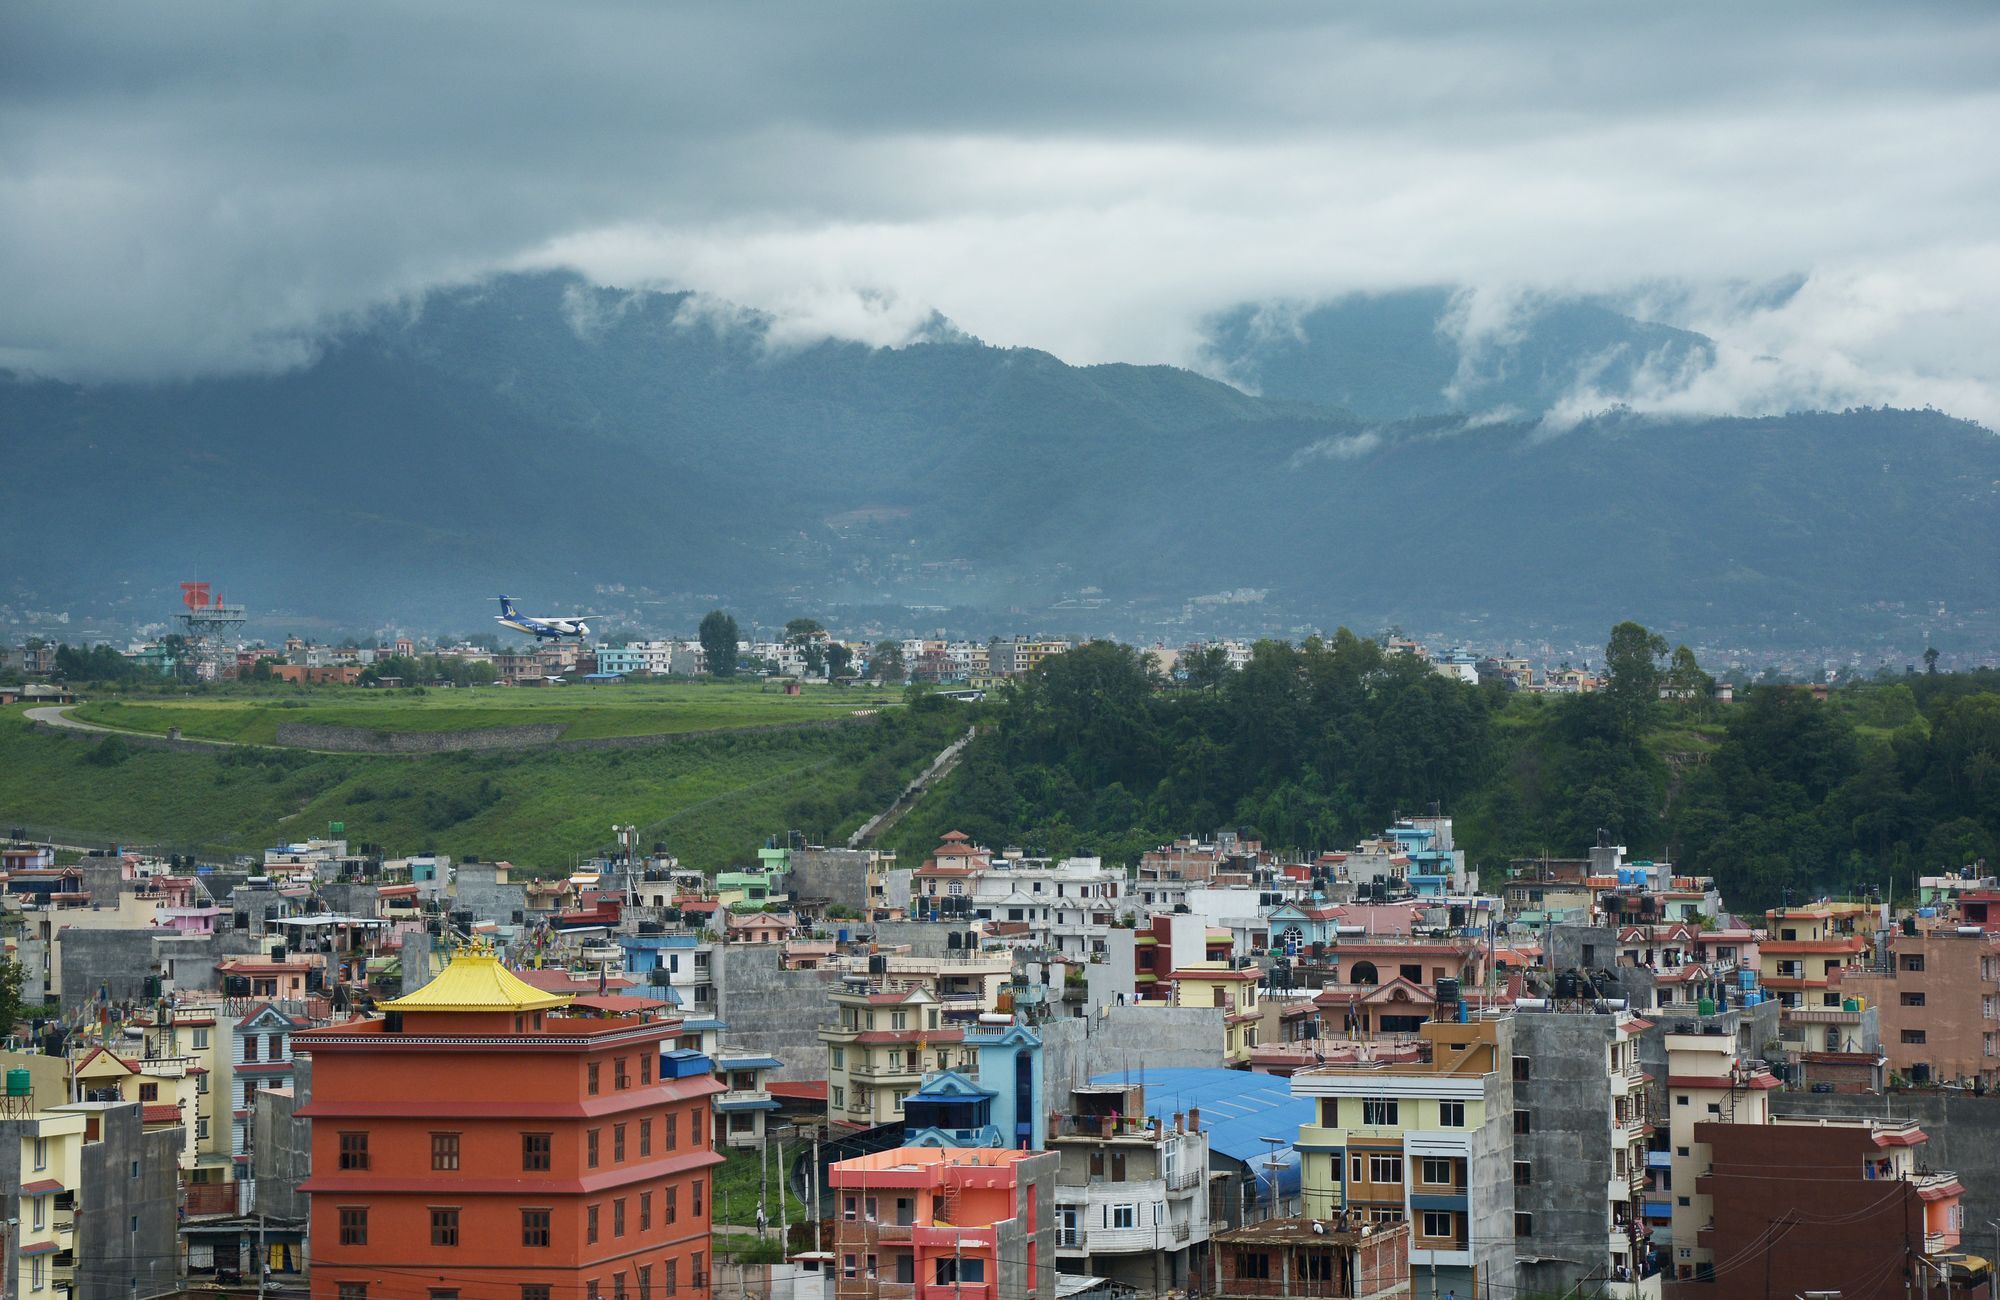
[742, 1111]
[1132, 1191]
[94, 1196]
[880, 1048]
[1937, 1001]
[561, 1152]
[1580, 1150]
[1707, 1083]
[929, 1222]
[1805, 1207]
[1313, 1260]
[1428, 1143]
[1230, 989]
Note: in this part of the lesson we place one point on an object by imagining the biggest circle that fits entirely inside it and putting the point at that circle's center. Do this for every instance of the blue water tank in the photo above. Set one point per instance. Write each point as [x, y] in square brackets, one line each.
[843, 935]
[1927, 913]
[683, 1063]
[1746, 979]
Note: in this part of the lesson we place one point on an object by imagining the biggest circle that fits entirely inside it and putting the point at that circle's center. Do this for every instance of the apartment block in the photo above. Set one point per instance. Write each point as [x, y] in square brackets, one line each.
[1936, 995]
[1428, 1143]
[1132, 1192]
[928, 1223]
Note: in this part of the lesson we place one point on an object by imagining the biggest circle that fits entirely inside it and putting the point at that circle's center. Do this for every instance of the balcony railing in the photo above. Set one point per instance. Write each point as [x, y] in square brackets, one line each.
[1104, 1126]
[1271, 1286]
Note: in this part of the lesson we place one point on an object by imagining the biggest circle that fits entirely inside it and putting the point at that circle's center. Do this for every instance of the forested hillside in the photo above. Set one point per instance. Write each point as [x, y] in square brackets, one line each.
[1312, 746]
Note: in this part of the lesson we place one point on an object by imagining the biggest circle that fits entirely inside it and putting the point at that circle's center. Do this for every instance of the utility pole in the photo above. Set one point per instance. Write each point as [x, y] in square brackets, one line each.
[784, 1225]
[263, 1258]
[815, 1192]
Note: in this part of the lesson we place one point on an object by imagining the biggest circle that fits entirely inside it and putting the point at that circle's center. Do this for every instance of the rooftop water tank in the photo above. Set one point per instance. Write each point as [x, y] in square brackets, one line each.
[20, 1083]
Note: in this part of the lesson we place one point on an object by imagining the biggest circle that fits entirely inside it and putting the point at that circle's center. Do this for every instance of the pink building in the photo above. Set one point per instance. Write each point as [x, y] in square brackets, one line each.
[945, 1223]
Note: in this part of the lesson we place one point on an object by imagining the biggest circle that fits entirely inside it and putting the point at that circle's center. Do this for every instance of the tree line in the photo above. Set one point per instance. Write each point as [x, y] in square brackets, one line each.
[1312, 746]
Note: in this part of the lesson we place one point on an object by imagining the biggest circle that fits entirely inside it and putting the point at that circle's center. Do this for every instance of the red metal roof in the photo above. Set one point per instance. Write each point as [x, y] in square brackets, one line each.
[163, 1114]
[43, 1187]
[799, 1090]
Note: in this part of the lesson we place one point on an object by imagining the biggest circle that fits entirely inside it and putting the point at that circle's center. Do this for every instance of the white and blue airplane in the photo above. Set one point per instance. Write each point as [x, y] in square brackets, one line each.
[552, 629]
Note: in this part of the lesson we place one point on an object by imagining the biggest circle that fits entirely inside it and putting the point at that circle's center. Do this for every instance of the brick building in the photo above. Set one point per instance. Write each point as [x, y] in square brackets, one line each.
[1938, 1005]
[475, 1144]
[931, 1223]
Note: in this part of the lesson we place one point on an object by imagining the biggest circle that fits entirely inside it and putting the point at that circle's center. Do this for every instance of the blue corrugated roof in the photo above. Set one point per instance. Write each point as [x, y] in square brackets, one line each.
[1238, 1110]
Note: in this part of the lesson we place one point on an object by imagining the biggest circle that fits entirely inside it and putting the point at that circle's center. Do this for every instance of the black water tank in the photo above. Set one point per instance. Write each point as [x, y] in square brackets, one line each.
[952, 942]
[1447, 992]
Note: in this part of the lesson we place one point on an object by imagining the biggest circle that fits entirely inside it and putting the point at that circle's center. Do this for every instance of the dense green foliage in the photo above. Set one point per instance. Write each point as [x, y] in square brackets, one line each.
[1312, 746]
[712, 799]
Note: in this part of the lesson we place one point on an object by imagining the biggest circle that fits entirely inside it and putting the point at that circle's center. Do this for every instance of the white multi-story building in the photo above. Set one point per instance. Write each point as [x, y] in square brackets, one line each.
[1132, 1192]
[1068, 906]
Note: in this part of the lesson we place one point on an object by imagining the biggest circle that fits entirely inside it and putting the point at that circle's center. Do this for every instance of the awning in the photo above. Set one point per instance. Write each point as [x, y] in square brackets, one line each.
[748, 1103]
[43, 1187]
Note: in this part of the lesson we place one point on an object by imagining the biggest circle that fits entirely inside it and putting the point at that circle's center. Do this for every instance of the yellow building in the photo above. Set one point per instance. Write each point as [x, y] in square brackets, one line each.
[1707, 1083]
[43, 1204]
[1427, 1142]
[1232, 988]
[879, 1050]
[168, 1090]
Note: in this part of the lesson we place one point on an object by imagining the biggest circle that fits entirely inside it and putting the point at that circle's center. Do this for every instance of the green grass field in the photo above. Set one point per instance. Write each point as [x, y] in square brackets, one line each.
[712, 799]
[584, 712]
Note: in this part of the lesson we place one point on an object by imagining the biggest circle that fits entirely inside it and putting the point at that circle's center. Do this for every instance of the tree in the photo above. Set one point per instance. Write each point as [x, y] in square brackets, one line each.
[886, 664]
[801, 630]
[1632, 669]
[11, 979]
[839, 659]
[1687, 685]
[1206, 667]
[718, 643]
[1930, 660]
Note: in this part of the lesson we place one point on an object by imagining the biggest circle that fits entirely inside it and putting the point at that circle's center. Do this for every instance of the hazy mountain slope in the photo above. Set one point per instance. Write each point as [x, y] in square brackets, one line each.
[544, 437]
[1397, 355]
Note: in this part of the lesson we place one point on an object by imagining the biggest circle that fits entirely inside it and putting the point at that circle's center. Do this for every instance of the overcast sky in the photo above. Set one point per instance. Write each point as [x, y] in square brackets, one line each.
[191, 188]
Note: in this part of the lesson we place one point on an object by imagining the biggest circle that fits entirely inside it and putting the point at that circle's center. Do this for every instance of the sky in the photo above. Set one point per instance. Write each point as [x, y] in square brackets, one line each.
[203, 188]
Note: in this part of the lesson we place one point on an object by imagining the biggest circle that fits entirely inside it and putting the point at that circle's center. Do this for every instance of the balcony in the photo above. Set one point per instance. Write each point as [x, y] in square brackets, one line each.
[1124, 1127]
[1271, 1286]
[205, 1199]
[893, 1232]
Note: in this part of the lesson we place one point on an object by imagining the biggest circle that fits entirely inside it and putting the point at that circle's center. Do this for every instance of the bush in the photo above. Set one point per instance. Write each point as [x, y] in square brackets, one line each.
[110, 752]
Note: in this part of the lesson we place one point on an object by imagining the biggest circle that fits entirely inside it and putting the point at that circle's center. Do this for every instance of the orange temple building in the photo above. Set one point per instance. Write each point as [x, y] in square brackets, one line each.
[474, 1143]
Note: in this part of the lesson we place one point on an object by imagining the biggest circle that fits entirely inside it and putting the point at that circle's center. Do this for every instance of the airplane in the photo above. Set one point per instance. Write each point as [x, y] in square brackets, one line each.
[553, 629]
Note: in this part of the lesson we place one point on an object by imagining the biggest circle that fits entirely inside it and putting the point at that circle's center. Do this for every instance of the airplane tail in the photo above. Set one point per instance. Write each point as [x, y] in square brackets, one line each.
[506, 607]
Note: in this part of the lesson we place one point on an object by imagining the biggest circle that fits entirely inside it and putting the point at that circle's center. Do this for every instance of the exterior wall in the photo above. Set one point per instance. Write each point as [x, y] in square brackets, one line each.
[775, 1012]
[1964, 1131]
[508, 1086]
[281, 1150]
[1940, 1023]
[114, 1259]
[1793, 1199]
[1567, 1150]
[1130, 1038]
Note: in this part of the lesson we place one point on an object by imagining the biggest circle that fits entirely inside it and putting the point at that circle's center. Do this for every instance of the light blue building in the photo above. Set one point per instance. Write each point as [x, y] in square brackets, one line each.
[951, 1110]
[1010, 1063]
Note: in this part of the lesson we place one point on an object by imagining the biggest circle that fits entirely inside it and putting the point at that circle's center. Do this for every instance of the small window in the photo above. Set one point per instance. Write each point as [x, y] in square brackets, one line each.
[1522, 1124]
[1913, 999]
[591, 1078]
[1524, 1224]
[1520, 1069]
[618, 1217]
[1916, 1036]
[590, 1225]
[353, 1291]
[1680, 1099]
[353, 1225]
[590, 1141]
[444, 1151]
[1437, 1172]
[1439, 1224]
[645, 1077]
[1524, 1174]
[534, 1227]
[353, 1150]
[617, 1144]
[645, 1137]
[534, 1291]
[1379, 1112]
[536, 1149]
[1451, 1114]
[444, 1227]
[670, 1211]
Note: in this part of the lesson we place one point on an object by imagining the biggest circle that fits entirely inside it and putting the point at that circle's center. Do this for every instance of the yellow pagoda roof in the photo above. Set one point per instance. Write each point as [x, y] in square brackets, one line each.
[476, 981]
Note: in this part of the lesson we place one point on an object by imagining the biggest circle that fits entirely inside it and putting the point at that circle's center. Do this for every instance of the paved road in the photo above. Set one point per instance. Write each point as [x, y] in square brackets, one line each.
[57, 715]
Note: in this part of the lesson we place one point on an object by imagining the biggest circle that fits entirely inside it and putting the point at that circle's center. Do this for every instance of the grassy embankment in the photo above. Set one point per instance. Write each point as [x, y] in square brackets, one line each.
[711, 798]
[584, 712]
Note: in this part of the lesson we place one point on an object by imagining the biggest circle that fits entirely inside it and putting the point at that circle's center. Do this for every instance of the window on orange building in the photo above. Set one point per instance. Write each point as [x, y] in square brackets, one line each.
[645, 1211]
[590, 1225]
[618, 1286]
[536, 1149]
[670, 1133]
[444, 1227]
[668, 1281]
[534, 1291]
[618, 1217]
[645, 1272]
[590, 1147]
[534, 1227]
[672, 1211]
[619, 1078]
[353, 1291]
[645, 1137]
[590, 1077]
[646, 1068]
[617, 1143]
[444, 1151]
[694, 1200]
[353, 1225]
[353, 1150]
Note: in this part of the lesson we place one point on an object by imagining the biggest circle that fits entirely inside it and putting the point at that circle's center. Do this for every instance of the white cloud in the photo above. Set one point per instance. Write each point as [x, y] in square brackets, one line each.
[208, 188]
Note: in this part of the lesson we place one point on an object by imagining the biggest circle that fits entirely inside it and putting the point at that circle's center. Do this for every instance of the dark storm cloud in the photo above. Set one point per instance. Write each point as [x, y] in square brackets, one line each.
[199, 187]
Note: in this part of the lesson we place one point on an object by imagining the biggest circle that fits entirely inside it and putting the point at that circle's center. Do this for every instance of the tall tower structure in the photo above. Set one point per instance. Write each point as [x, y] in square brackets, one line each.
[475, 1143]
[210, 628]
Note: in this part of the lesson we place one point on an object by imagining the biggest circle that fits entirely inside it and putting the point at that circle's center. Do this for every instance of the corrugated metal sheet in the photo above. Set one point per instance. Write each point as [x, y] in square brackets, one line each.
[1238, 1110]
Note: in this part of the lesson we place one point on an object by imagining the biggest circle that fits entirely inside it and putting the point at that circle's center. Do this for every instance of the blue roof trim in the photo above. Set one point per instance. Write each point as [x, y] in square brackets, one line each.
[1238, 1108]
[752, 1103]
[727, 1062]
